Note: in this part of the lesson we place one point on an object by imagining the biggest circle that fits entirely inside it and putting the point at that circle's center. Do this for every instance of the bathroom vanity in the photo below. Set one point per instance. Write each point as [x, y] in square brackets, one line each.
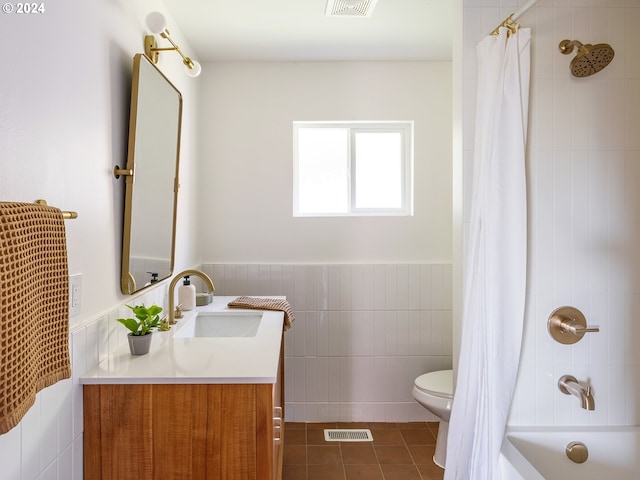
[195, 407]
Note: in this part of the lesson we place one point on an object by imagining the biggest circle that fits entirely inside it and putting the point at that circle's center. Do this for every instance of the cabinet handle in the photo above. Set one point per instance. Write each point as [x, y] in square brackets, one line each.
[277, 425]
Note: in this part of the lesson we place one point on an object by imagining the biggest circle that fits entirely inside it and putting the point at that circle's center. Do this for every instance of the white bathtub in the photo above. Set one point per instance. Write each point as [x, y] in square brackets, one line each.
[531, 453]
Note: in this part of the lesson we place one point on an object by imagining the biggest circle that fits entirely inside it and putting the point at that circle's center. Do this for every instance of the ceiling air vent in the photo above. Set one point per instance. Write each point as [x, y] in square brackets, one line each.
[350, 8]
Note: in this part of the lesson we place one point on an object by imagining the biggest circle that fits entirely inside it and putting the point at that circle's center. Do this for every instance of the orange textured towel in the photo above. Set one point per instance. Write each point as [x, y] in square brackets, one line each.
[259, 303]
[34, 306]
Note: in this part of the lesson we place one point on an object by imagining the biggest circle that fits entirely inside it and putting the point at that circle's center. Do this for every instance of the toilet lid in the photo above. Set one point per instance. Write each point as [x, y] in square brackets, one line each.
[438, 383]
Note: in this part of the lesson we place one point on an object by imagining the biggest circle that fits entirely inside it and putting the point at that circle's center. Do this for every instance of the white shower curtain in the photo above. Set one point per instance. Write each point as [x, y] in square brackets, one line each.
[495, 261]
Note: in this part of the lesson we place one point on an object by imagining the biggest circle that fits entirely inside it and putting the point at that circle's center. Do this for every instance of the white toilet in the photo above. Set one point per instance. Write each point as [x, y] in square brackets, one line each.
[434, 391]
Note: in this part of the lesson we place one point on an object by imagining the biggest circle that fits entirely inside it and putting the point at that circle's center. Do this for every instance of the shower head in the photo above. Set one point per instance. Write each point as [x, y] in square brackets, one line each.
[590, 59]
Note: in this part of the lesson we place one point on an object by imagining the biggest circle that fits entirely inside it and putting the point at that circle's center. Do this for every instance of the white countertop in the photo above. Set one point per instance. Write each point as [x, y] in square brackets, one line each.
[197, 360]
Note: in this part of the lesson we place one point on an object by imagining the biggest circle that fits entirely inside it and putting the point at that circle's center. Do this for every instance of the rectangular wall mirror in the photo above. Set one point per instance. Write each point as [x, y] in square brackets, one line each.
[151, 176]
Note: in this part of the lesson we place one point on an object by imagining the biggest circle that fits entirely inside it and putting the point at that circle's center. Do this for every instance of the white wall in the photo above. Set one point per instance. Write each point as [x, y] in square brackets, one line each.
[372, 295]
[583, 166]
[247, 161]
[64, 106]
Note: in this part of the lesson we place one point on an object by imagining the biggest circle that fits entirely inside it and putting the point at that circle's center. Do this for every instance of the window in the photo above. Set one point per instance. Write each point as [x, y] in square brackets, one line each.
[352, 169]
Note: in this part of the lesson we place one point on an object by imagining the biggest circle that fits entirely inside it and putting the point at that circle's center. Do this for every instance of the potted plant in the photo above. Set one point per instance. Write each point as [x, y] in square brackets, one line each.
[140, 336]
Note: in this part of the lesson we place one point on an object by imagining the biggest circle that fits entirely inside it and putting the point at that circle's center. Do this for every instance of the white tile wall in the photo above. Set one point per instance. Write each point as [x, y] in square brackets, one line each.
[583, 167]
[47, 443]
[362, 334]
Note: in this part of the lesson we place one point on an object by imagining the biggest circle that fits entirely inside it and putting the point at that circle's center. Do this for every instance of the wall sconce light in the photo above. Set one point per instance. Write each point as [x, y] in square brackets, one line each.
[157, 23]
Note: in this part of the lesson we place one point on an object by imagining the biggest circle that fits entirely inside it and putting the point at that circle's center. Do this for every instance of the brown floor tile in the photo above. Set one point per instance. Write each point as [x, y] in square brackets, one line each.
[326, 472]
[400, 472]
[295, 455]
[295, 436]
[363, 472]
[358, 454]
[294, 472]
[431, 472]
[422, 454]
[413, 426]
[352, 425]
[393, 455]
[383, 425]
[315, 436]
[399, 452]
[418, 437]
[320, 455]
[295, 426]
[387, 437]
[311, 426]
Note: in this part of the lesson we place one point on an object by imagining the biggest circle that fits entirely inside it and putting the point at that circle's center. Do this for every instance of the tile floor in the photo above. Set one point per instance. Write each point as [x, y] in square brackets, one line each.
[399, 451]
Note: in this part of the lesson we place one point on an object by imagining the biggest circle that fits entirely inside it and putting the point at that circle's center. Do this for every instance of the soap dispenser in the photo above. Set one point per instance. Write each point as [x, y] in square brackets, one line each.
[187, 295]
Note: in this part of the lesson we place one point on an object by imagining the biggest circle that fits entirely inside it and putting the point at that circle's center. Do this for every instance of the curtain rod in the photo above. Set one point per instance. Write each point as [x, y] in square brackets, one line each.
[509, 22]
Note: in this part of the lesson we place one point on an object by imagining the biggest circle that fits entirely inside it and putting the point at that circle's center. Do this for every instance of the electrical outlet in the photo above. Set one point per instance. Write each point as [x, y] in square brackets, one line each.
[75, 294]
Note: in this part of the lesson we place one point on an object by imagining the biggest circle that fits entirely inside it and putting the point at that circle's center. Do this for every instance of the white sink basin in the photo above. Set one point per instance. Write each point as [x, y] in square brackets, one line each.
[221, 324]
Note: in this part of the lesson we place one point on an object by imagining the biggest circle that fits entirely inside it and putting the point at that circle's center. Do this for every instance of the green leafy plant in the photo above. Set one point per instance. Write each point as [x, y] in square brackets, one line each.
[146, 319]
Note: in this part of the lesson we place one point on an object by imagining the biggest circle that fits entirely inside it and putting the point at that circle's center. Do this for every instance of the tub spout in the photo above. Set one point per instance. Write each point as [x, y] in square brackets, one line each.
[570, 386]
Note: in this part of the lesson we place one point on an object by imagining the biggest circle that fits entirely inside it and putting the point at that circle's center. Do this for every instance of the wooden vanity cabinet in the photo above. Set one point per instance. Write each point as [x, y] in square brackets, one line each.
[277, 435]
[184, 431]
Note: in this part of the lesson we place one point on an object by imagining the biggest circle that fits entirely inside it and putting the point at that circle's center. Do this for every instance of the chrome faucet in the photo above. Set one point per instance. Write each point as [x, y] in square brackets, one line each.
[570, 386]
[174, 282]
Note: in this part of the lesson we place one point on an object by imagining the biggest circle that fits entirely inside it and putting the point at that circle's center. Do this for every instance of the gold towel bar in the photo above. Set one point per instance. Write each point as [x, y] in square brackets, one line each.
[65, 215]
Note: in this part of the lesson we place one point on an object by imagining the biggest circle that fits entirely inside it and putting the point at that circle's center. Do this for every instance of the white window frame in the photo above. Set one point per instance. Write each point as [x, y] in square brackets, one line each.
[405, 128]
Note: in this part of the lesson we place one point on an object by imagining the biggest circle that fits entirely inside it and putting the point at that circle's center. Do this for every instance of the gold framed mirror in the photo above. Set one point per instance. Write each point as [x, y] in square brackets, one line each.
[151, 178]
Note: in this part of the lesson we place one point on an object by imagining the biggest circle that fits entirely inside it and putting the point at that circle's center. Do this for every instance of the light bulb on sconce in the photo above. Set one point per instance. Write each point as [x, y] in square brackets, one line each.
[192, 70]
[157, 23]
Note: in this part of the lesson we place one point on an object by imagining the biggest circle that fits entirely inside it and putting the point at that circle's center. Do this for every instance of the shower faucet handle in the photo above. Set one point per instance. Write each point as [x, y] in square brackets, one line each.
[567, 325]
[578, 329]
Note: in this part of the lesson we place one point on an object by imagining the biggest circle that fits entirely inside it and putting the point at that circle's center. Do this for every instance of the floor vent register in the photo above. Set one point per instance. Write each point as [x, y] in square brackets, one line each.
[348, 435]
